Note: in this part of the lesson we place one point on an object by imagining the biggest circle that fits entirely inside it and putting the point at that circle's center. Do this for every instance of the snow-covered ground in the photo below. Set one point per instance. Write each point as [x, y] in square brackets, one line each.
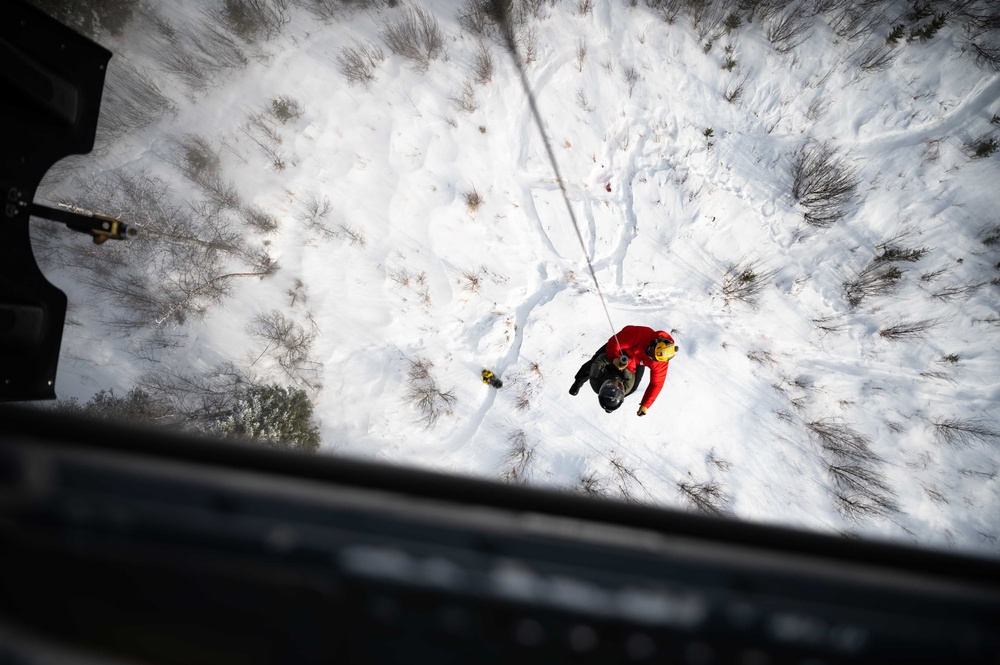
[381, 256]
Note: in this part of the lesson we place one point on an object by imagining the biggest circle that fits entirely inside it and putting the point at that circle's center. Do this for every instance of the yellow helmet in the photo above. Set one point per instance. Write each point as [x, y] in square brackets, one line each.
[664, 350]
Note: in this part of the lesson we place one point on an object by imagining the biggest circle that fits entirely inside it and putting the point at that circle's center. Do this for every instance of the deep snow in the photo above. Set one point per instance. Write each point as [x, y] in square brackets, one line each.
[663, 215]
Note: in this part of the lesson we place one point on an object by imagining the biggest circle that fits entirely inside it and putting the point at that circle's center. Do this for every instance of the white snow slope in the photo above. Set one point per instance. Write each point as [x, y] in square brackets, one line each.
[399, 269]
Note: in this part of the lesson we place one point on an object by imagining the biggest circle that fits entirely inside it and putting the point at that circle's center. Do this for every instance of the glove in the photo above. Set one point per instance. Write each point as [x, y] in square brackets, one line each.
[641, 411]
[621, 362]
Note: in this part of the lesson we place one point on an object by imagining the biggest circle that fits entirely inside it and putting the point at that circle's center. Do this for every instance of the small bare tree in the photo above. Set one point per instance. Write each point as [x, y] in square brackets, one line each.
[517, 463]
[707, 497]
[423, 392]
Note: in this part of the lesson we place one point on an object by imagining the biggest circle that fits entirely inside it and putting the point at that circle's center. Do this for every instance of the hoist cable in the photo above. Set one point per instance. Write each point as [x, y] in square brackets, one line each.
[501, 13]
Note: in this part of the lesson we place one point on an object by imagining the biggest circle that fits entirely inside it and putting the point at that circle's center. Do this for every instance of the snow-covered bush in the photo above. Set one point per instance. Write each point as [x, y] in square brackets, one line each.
[274, 415]
[136, 406]
[285, 108]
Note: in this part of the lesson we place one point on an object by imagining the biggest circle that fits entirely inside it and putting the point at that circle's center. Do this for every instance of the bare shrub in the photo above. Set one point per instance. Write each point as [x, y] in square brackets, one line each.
[289, 343]
[907, 330]
[631, 75]
[259, 219]
[861, 491]
[734, 89]
[182, 262]
[132, 100]
[473, 199]
[843, 443]
[787, 31]
[859, 488]
[746, 280]
[359, 61]
[982, 147]
[354, 235]
[874, 280]
[708, 498]
[415, 36]
[466, 99]
[527, 44]
[958, 290]
[592, 485]
[199, 161]
[892, 251]
[478, 17]
[517, 462]
[483, 67]
[822, 183]
[965, 431]
[581, 54]
[197, 57]
[260, 129]
[667, 9]
[851, 20]
[424, 393]
[198, 157]
[471, 280]
[199, 399]
[624, 475]
[252, 20]
[874, 57]
[986, 50]
[315, 209]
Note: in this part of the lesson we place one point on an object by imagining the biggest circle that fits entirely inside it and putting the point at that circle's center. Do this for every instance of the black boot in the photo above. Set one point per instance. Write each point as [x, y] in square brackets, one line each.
[575, 388]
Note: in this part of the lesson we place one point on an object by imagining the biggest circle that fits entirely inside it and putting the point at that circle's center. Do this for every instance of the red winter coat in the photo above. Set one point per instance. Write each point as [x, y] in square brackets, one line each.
[633, 341]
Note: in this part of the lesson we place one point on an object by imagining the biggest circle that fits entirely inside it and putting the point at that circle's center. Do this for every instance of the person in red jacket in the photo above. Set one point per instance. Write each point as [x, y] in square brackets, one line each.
[638, 345]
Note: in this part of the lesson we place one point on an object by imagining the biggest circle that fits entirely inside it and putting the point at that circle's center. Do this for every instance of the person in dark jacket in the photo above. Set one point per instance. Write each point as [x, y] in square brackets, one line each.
[611, 384]
[629, 352]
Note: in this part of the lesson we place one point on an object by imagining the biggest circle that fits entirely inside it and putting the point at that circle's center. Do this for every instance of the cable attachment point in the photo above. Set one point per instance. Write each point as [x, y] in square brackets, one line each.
[99, 227]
